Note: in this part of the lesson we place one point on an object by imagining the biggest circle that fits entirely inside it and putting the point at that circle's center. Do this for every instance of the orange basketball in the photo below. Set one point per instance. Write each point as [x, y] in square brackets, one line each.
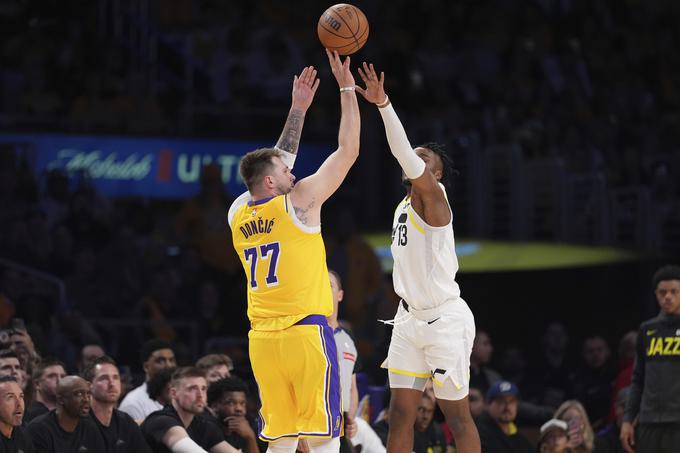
[344, 28]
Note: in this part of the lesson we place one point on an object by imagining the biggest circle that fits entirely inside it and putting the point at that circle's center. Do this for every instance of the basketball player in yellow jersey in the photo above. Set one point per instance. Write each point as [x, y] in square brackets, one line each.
[277, 234]
[434, 328]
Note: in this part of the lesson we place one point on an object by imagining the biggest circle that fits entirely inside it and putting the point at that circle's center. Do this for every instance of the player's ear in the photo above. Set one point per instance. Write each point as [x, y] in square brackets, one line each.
[341, 295]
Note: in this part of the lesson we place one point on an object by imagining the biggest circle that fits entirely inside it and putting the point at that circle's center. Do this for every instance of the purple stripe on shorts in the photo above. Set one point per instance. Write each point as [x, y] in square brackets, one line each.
[333, 396]
[313, 319]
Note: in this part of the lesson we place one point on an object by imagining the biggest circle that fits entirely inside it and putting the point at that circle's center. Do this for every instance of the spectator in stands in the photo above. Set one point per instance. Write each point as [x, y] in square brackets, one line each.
[180, 426]
[427, 436]
[481, 376]
[10, 366]
[610, 436]
[119, 431]
[46, 377]
[513, 366]
[158, 386]
[581, 436]
[593, 381]
[88, 353]
[552, 372]
[14, 438]
[477, 404]
[68, 427]
[553, 437]
[624, 375]
[202, 223]
[655, 392]
[227, 399]
[497, 429]
[22, 344]
[156, 355]
[216, 366]
[355, 261]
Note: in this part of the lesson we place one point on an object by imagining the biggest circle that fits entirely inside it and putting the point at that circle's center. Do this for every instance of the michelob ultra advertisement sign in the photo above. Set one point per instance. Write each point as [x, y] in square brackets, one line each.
[151, 167]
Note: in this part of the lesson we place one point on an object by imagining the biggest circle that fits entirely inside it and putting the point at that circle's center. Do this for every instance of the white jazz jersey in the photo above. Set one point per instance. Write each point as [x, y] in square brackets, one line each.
[425, 261]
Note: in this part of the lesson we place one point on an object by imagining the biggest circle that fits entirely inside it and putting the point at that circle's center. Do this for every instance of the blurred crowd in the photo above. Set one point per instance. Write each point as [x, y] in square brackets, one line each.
[593, 82]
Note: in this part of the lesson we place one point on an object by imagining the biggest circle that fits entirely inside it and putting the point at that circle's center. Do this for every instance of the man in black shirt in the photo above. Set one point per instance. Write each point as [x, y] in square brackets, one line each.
[180, 427]
[120, 432]
[497, 429]
[655, 391]
[227, 401]
[13, 439]
[67, 428]
[427, 436]
[46, 377]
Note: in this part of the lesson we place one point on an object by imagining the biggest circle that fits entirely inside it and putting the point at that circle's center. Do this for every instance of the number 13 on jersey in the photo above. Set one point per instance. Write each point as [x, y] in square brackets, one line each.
[265, 252]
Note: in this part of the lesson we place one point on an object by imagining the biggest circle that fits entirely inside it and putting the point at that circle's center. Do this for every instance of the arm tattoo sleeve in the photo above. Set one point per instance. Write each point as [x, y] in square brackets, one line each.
[290, 137]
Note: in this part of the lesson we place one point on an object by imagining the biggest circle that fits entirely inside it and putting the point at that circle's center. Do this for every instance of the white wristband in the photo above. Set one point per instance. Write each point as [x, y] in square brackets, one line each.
[343, 89]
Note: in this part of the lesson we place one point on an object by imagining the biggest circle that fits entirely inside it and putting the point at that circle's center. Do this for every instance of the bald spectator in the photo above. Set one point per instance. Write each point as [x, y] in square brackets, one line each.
[68, 428]
[118, 429]
[216, 366]
[10, 366]
[46, 377]
[156, 355]
[14, 438]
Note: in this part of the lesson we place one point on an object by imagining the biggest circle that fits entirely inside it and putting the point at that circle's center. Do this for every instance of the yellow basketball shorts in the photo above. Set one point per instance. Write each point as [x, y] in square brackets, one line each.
[297, 374]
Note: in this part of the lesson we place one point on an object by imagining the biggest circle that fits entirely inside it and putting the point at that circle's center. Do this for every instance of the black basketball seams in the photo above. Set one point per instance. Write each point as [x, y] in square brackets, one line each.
[356, 41]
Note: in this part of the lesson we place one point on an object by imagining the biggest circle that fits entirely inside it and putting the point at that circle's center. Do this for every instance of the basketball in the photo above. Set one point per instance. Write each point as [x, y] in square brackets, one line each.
[344, 28]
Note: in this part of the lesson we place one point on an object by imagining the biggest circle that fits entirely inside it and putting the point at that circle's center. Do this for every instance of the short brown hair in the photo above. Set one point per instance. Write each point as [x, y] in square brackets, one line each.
[91, 369]
[208, 361]
[186, 372]
[255, 164]
[45, 364]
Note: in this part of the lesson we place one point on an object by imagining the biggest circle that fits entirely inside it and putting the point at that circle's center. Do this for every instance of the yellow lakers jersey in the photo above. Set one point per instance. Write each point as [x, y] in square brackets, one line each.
[284, 261]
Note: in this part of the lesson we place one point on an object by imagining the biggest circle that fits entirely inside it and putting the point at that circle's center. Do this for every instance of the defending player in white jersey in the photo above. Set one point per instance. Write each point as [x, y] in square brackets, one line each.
[433, 328]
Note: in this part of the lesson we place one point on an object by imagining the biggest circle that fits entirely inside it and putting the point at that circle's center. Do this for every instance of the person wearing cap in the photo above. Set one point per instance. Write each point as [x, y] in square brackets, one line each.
[156, 354]
[497, 429]
[553, 436]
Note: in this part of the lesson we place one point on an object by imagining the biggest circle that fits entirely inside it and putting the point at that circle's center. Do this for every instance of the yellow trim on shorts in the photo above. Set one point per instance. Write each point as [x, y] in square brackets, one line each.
[413, 222]
[409, 373]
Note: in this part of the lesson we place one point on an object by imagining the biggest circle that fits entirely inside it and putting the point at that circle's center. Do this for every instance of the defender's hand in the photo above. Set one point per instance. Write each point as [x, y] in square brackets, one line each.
[375, 87]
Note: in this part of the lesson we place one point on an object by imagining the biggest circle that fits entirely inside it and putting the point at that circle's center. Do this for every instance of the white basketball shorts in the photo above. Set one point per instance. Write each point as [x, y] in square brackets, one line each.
[434, 344]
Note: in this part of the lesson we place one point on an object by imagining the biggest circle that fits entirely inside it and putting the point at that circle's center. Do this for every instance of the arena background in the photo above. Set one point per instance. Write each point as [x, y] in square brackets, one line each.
[562, 119]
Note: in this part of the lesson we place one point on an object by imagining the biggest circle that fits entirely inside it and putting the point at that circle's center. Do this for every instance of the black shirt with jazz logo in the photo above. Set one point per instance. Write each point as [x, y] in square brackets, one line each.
[655, 390]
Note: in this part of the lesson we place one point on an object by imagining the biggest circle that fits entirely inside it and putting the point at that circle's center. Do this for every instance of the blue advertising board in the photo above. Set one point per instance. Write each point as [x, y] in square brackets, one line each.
[148, 167]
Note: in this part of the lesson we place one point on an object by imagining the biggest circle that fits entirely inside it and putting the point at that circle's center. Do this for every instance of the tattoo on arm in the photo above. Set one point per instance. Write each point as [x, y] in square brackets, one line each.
[302, 214]
[290, 137]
